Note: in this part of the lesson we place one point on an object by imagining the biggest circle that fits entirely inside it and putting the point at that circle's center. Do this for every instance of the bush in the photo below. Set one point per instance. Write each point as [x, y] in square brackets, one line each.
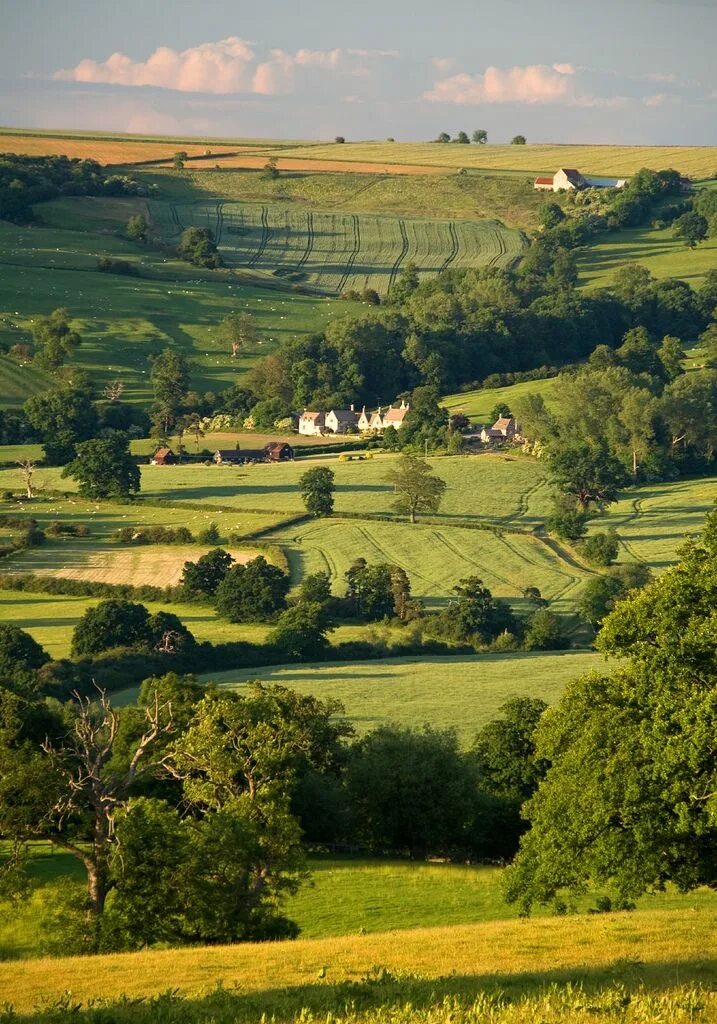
[544, 633]
[600, 549]
[154, 535]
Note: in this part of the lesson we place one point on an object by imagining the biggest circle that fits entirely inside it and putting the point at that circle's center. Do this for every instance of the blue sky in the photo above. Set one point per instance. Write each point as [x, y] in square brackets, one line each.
[622, 71]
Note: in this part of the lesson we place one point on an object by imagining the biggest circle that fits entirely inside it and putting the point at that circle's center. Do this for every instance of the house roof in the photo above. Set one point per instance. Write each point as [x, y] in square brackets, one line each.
[275, 447]
[571, 173]
[395, 415]
[543, 181]
[503, 422]
[306, 415]
[162, 453]
[230, 453]
[345, 415]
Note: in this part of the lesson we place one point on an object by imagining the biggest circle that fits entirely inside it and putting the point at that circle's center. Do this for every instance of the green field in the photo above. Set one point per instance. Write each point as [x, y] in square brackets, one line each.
[461, 693]
[123, 320]
[338, 251]
[663, 255]
[435, 558]
[478, 405]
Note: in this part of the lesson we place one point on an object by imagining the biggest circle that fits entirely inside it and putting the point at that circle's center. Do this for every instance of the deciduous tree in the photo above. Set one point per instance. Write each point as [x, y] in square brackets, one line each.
[416, 487]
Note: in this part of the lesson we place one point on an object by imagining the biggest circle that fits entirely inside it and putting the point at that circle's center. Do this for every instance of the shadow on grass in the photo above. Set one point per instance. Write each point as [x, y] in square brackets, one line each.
[380, 991]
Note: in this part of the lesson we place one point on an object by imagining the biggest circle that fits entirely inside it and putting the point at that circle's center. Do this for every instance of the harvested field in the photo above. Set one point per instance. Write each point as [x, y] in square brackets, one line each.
[246, 161]
[105, 151]
[696, 161]
[151, 565]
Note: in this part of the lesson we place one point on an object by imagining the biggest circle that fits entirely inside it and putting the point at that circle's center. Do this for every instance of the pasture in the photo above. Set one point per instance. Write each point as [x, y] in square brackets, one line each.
[648, 951]
[125, 319]
[657, 250]
[536, 158]
[478, 405]
[336, 251]
[461, 693]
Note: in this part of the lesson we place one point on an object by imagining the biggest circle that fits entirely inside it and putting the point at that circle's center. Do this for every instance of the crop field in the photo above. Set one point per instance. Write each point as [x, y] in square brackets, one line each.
[435, 558]
[696, 161]
[461, 693]
[336, 251]
[151, 565]
[645, 951]
[663, 255]
[115, 152]
[123, 320]
[509, 199]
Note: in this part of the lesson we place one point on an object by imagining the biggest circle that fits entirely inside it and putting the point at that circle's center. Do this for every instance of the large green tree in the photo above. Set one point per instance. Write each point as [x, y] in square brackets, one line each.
[63, 415]
[169, 376]
[631, 796]
[415, 486]
[54, 339]
[317, 490]
[104, 467]
[253, 592]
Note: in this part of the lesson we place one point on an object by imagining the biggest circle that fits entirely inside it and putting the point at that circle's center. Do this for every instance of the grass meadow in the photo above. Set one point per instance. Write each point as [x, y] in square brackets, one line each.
[663, 255]
[526, 968]
[478, 405]
[461, 693]
[125, 319]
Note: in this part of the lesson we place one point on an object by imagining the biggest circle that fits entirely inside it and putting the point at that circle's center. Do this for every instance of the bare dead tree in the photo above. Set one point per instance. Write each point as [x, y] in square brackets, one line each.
[27, 468]
[114, 390]
[81, 819]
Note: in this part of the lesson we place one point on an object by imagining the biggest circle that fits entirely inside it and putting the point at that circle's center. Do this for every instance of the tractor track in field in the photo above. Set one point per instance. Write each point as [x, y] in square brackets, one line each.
[363, 531]
[401, 256]
[265, 236]
[502, 250]
[354, 253]
[220, 221]
[482, 568]
[310, 238]
[454, 247]
[359, 192]
[174, 213]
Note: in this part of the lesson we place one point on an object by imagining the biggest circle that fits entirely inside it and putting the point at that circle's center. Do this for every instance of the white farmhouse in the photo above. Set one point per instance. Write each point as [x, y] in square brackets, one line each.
[311, 423]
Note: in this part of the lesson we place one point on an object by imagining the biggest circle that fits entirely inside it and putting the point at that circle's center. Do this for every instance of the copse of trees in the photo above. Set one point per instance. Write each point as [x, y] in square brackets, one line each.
[54, 340]
[197, 246]
[25, 180]
[252, 592]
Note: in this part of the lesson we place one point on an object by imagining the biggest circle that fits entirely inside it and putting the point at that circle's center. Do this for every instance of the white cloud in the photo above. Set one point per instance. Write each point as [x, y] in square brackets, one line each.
[224, 67]
[536, 83]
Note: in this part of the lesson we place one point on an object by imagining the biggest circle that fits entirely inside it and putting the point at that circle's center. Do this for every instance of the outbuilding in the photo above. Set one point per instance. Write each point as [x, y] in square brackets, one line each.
[164, 457]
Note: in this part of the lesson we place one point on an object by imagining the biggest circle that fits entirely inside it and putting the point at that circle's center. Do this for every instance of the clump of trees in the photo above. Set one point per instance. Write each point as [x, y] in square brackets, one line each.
[197, 246]
[25, 180]
[629, 799]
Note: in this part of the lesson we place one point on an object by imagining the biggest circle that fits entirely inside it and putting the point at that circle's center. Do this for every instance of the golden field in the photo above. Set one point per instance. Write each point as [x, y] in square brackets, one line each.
[108, 152]
[696, 161]
[657, 949]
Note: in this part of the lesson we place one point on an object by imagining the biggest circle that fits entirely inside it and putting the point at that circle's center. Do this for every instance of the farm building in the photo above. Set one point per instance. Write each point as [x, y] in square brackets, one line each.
[311, 424]
[504, 429]
[569, 179]
[228, 457]
[278, 451]
[164, 457]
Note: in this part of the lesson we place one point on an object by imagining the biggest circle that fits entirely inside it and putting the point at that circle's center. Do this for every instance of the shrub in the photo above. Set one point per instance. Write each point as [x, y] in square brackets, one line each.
[600, 549]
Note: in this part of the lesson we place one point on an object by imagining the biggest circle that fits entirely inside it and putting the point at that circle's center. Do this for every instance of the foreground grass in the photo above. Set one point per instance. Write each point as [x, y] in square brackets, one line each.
[461, 693]
[659, 950]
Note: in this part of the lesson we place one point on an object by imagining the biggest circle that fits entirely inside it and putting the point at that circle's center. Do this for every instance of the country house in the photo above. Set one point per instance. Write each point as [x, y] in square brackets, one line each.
[569, 179]
[347, 421]
[504, 429]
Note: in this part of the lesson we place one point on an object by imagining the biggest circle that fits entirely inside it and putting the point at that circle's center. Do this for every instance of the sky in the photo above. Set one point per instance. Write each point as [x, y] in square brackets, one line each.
[603, 71]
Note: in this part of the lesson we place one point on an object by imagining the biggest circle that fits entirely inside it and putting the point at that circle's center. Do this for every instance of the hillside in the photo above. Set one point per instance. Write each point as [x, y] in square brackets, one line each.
[517, 959]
